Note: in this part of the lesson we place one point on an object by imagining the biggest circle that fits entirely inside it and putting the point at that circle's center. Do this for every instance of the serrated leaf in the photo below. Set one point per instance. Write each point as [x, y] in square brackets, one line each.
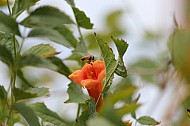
[8, 24]
[41, 50]
[46, 16]
[22, 5]
[8, 41]
[121, 48]
[76, 94]
[25, 84]
[59, 34]
[100, 121]
[81, 19]
[29, 93]
[3, 93]
[146, 120]
[89, 112]
[61, 67]
[109, 60]
[6, 56]
[128, 108]
[81, 49]
[46, 114]
[27, 113]
[36, 61]
[70, 2]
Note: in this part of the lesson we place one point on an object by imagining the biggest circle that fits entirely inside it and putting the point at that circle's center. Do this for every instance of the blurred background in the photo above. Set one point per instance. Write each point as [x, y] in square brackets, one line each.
[147, 26]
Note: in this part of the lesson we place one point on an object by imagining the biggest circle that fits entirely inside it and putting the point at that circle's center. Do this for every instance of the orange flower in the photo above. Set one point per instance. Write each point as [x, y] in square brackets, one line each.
[90, 77]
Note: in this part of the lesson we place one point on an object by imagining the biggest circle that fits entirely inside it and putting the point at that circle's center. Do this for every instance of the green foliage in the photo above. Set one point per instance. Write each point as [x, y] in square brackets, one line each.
[59, 34]
[8, 24]
[70, 2]
[146, 120]
[42, 50]
[81, 18]
[6, 56]
[61, 67]
[88, 113]
[36, 61]
[27, 113]
[179, 46]
[100, 121]
[46, 16]
[109, 59]
[21, 94]
[22, 5]
[3, 93]
[75, 94]
[46, 114]
[121, 47]
[9, 42]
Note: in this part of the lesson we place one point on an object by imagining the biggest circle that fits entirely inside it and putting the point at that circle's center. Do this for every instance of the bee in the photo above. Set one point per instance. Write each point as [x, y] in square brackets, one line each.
[88, 58]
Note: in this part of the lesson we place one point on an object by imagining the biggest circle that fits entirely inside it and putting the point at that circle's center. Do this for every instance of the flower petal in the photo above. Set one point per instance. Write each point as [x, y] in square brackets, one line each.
[101, 76]
[77, 76]
[98, 66]
[89, 83]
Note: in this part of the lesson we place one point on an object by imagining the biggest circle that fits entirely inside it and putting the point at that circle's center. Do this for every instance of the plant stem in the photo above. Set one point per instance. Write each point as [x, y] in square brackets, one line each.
[78, 112]
[9, 7]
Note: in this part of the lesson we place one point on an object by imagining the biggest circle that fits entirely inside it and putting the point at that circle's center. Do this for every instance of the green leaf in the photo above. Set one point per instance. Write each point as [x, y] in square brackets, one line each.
[8, 24]
[128, 108]
[22, 5]
[76, 94]
[29, 93]
[7, 40]
[36, 61]
[109, 60]
[25, 84]
[46, 114]
[81, 49]
[100, 121]
[6, 56]
[70, 2]
[89, 112]
[27, 113]
[59, 34]
[121, 48]
[46, 16]
[81, 19]
[146, 120]
[3, 93]
[41, 50]
[61, 67]
[188, 112]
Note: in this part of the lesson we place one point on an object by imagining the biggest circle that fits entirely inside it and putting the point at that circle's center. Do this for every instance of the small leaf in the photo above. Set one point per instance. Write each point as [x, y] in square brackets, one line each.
[36, 61]
[89, 112]
[109, 60]
[46, 16]
[121, 48]
[76, 94]
[128, 108]
[3, 93]
[61, 67]
[81, 19]
[70, 2]
[46, 114]
[6, 56]
[8, 41]
[27, 113]
[146, 120]
[8, 25]
[81, 49]
[42, 50]
[188, 112]
[59, 34]
[29, 93]
[22, 5]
